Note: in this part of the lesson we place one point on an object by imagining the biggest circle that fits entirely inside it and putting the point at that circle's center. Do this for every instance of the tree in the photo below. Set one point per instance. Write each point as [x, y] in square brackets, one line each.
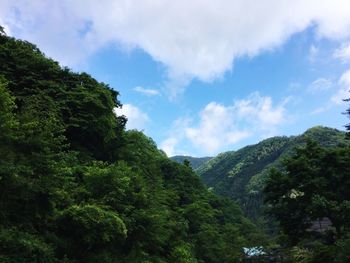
[76, 187]
[83, 105]
[348, 113]
[313, 185]
[2, 30]
[89, 229]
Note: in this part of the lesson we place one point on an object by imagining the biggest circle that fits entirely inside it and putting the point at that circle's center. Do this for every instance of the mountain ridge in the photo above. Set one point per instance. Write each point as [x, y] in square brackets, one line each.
[241, 174]
[195, 162]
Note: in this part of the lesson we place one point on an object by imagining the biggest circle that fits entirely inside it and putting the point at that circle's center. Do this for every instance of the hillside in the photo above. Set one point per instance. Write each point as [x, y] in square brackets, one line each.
[241, 174]
[77, 187]
[195, 162]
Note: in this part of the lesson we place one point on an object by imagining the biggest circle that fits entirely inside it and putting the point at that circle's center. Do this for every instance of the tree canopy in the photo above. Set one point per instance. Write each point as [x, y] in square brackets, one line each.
[313, 188]
[75, 186]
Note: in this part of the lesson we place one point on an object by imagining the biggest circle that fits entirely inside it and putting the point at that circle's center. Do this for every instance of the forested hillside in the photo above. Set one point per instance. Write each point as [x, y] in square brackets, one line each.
[241, 174]
[298, 187]
[75, 186]
[195, 162]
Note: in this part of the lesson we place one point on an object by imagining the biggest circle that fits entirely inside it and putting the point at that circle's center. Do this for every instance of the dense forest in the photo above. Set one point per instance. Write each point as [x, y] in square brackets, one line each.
[297, 188]
[241, 174]
[75, 186]
[310, 199]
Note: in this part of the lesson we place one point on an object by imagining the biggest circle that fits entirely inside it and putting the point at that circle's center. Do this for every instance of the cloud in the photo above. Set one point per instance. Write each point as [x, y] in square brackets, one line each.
[344, 88]
[136, 118]
[5, 27]
[220, 126]
[216, 128]
[343, 52]
[320, 84]
[194, 39]
[259, 112]
[320, 110]
[175, 137]
[168, 146]
[149, 92]
[335, 99]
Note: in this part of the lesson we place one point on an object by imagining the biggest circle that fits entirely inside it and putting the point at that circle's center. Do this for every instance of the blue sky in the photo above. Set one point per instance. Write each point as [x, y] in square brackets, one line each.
[201, 78]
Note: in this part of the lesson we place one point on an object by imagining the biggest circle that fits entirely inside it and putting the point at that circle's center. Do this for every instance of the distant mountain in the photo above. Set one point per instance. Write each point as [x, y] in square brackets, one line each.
[194, 161]
[241, 174]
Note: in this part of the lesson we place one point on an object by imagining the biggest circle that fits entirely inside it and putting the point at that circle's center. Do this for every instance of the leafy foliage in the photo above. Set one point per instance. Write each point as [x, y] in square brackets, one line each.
[76, 187]
[83, 106]
[304, 192]
[241, 175]
[312, 187]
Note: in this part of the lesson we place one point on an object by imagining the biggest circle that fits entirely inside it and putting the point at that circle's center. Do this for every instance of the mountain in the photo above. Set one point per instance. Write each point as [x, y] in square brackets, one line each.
[241, 174]
[195, 162]
[77, 187]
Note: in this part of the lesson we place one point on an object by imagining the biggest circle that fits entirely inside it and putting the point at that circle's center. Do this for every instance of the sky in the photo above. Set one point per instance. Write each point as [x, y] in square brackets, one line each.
[201, 77]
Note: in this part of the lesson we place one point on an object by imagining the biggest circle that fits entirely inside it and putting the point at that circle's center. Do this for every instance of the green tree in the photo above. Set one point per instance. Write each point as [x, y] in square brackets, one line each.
[76, 187]
[17, 246]
[348, 113]
[88, 230]
[313, 185]
[2, 30]
[83, 105]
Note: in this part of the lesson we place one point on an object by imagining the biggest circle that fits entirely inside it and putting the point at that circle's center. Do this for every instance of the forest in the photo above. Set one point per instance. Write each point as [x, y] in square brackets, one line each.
[241, 174]
[295, 188]
[76, 186]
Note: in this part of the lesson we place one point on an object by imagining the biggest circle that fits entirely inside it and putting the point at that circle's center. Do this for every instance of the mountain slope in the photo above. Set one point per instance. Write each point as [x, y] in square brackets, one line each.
[240, 174]
[195, 162]
[77, 187]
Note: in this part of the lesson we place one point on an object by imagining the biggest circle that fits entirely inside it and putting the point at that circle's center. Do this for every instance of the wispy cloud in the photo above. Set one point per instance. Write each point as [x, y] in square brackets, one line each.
[320, 84]
[149, 92]
[320, 110]
[340, 91]
[343, 52]
[344, 89]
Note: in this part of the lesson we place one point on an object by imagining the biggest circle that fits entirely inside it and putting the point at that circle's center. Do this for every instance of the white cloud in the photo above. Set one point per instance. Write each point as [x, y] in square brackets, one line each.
[136, 118]
[193, 39]
[343, 92]
[168, 146]
[319, 110]
[344, 88]
[220, 126]
[259, 112]
[320, 84]
[5, 27]
[343, 52]
[149, 92]
[216, 128]
[175, 137]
